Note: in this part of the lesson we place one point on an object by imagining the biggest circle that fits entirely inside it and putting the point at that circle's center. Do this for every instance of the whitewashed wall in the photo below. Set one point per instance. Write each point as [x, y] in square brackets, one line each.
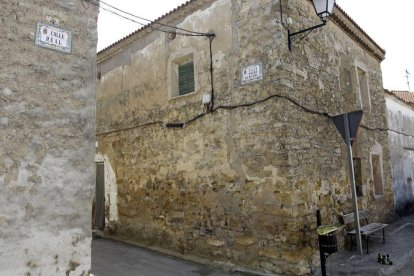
[401, 138]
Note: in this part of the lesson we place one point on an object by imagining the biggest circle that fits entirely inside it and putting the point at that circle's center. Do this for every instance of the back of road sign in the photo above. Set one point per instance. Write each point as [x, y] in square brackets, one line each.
[354, 119]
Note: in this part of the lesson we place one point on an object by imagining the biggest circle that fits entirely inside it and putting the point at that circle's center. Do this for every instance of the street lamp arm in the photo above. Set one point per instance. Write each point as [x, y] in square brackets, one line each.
[323, 9]
[291, 35]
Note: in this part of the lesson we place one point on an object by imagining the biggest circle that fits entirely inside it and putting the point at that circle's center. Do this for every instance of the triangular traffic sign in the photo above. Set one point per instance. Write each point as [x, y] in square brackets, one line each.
[354, 119]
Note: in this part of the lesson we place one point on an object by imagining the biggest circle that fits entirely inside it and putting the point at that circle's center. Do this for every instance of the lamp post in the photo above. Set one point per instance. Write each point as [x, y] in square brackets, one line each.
[323, 8]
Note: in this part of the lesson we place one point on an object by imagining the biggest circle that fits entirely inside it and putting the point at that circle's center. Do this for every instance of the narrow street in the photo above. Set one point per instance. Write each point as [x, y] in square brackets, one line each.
[407, 270]
[111, 258]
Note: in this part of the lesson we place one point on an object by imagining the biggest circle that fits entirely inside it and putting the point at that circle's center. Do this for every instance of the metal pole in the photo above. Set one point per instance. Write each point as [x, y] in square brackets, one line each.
[318, 218]
[353, 188]
[321, 253]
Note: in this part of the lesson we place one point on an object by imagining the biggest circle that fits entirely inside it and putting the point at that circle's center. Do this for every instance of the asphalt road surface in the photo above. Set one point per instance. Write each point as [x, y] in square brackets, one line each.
[408, 269]
[111, 258]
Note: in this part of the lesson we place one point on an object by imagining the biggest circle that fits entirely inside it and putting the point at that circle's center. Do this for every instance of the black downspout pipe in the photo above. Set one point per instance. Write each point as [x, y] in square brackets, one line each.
[211, 37]
[318, 218]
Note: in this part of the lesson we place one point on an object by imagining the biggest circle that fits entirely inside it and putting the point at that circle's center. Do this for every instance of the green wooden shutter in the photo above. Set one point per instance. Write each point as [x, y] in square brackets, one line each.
[186, 78]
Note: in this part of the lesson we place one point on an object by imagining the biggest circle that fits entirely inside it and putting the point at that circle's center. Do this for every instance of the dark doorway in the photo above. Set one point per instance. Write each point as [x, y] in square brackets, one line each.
[100, 196]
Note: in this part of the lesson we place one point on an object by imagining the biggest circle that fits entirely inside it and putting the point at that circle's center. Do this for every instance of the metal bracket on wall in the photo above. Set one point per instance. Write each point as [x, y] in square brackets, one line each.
[308, 30]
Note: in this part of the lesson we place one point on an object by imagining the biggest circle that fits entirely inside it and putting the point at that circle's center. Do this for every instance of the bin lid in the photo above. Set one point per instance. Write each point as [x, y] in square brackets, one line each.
[326, 229]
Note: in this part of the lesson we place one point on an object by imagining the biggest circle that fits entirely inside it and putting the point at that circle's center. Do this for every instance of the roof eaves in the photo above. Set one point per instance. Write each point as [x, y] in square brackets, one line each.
[109, 50]
[346, 23]
[402, 96]
[342, 19]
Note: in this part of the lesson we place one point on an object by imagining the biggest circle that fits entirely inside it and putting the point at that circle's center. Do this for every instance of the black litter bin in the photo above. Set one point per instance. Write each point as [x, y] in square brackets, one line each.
[328, 243]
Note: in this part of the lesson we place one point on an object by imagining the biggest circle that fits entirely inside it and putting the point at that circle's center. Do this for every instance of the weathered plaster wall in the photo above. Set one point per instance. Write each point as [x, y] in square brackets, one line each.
[47, 126]
[401, 137]
[240, 184]
[111, 189]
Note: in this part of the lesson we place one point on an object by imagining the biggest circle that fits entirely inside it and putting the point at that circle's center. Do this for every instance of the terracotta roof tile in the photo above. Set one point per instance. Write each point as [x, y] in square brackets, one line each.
[406, 96]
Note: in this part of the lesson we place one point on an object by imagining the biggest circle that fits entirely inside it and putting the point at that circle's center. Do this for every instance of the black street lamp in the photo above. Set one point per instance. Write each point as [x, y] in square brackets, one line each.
[323, 8]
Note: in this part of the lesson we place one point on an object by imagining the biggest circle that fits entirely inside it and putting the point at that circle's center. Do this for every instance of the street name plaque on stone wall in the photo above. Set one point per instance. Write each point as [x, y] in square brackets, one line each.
[251, 73]
[53, 38]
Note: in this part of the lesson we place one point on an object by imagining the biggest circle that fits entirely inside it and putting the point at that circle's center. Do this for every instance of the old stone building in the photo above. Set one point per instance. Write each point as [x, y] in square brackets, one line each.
[400, 111]
[227, 154]
[47, 136]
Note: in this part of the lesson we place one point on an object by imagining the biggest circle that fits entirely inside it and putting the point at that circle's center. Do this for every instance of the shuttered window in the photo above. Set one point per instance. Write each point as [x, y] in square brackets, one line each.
[186, 78]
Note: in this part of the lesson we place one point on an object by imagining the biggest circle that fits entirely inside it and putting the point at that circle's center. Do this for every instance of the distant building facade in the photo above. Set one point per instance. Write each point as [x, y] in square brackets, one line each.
[400, 109]
[232, 163]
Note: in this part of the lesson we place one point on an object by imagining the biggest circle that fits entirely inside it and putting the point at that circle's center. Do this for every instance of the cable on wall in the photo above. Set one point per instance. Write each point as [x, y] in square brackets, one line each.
[181, 125]
[182, 32]
[386, 129]
[211, 38]
[83, 4]
[148, 20]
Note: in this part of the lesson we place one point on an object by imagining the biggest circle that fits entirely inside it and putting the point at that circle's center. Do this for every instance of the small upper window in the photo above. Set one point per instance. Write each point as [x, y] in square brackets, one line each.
[364, 90]
[377, 170]
[182, 75]
[186, 78]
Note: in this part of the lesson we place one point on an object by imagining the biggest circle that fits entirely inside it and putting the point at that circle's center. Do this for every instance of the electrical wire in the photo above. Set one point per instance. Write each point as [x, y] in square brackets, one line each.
[386, 129]
[211, 107]
[83, 4]
[132, 127]
[189, 33]
[150, 21]
[142, 24]
[225, 107]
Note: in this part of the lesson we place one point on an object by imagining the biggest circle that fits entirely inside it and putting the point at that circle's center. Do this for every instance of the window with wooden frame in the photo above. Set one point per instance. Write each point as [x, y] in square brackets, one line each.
[186, 78]
[182, 75]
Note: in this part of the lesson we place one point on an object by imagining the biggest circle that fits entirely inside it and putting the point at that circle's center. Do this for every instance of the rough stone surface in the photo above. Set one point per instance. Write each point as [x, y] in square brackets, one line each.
[240, 184]
[47, 125]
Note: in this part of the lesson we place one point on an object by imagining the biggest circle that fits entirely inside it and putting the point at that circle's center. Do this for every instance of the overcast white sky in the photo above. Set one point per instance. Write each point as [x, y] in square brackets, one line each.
[389, 23]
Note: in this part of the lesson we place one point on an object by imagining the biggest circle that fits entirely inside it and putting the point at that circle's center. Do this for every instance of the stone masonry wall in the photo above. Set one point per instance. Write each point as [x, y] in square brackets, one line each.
[47, 144]
[240, 184]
